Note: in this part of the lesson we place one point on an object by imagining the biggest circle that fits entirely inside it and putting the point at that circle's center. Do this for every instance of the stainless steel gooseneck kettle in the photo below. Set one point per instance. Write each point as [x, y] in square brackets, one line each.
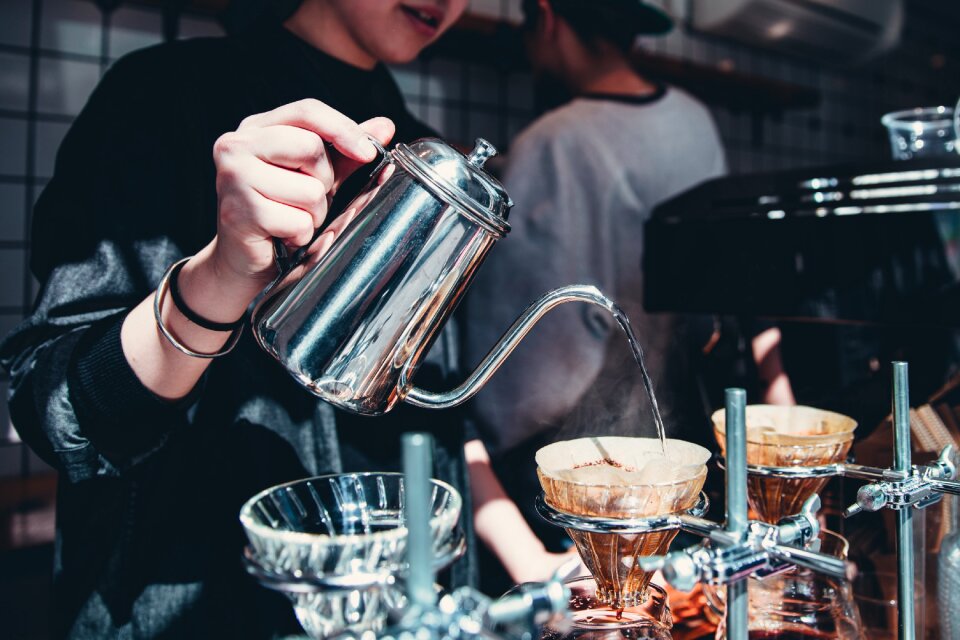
[356, 327]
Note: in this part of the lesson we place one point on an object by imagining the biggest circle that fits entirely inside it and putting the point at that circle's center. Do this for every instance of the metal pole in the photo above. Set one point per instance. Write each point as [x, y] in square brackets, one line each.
[901, 462]
[736, 479]
[417, 467]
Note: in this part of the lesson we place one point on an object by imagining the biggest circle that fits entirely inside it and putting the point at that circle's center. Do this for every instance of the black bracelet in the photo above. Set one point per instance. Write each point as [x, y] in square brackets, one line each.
[189, 313]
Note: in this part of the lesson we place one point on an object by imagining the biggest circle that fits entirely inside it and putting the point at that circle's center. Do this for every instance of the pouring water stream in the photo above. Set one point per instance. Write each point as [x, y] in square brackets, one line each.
[512, 337]
[627, 328]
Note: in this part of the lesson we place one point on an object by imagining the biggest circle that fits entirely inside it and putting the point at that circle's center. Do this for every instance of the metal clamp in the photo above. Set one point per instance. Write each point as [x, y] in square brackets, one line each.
[918, 487]
[762, 550]
[688, 520]
[466, 614]
[797, 472]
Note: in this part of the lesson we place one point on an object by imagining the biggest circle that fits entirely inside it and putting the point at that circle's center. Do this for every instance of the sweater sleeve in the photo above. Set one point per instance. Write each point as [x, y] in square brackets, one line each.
[101, 239]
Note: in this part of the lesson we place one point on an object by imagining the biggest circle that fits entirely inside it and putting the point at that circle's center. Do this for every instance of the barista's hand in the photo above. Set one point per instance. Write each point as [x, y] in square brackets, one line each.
[544, 566]
[276, 175]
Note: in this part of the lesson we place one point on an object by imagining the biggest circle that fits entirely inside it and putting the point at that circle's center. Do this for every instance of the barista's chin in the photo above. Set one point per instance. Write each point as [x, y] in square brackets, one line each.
[400, 58]
[400, 55]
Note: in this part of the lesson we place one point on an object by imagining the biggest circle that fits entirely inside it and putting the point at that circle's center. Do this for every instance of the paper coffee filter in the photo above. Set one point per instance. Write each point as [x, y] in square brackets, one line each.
[788, 425]
[788, 436]
[578, 478]
[635, 461]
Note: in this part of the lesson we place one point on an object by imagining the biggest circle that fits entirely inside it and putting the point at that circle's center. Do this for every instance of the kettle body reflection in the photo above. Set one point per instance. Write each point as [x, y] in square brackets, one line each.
[356, 327]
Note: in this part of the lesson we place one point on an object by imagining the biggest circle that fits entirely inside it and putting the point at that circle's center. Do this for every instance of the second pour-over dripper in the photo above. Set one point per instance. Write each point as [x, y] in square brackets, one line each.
[788, 436]
[623, 479]
[335, 545]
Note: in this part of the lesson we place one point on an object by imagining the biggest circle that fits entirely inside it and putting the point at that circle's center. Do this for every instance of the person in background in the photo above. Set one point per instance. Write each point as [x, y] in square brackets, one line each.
[188, 159]
[584, 178]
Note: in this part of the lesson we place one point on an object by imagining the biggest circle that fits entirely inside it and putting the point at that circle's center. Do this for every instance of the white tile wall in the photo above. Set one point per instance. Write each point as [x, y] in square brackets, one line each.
[11, 277]
[12, 202]
[444, 79]
[484, 124]
[72, 26]
[36, 465]
[7, 323]
[195, 27]
[49, 136]
[64, 85]
[7, 432]
[14, 81]
[13, 133]
[520, 91]
[515, 125]
[485, 7]
[435, 116]
[483, 86]
[10, 460]
[133, 28]
[15, 17]
[408, 78]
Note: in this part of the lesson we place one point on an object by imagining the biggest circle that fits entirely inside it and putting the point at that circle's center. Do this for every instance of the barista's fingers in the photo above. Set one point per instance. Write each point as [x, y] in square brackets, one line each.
[292, 148]
[328, 123]
[273, 219]
[291, 188]
[340, 222]
[326, 239]
[382, 129]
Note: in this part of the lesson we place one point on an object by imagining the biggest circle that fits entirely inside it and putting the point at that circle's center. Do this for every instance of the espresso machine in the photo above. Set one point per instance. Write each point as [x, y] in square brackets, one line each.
[860, 248]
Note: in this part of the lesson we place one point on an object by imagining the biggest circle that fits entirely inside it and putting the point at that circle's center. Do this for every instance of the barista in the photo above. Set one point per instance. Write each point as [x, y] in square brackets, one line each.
[159, 440]
[584, 178]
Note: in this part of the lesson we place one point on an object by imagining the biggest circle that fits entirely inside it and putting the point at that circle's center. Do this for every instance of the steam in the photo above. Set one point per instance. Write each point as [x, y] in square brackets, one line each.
[616, 403]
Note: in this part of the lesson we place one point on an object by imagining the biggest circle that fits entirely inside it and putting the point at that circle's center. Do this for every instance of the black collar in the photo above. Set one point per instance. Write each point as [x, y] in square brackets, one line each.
[659, 91]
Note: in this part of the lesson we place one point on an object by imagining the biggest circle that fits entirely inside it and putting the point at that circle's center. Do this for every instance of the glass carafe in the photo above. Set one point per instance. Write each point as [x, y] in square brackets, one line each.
[802, 605]
[948, 574]
[594, 620]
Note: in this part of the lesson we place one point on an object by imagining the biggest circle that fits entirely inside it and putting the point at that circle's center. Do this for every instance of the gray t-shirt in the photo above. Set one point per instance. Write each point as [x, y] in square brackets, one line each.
[584, 179]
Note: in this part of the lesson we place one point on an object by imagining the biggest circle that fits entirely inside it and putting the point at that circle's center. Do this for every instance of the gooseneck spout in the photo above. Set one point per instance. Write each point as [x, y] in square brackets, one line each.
[507, 343]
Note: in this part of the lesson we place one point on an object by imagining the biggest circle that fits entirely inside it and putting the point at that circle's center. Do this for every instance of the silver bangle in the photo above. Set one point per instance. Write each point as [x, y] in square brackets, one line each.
[162, 288]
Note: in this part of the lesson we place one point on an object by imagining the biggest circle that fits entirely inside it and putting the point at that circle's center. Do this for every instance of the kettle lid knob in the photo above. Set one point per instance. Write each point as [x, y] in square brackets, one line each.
[481, 151]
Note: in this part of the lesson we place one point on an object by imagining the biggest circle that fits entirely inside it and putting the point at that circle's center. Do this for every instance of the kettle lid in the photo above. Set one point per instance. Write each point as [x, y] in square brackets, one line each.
[459, 179]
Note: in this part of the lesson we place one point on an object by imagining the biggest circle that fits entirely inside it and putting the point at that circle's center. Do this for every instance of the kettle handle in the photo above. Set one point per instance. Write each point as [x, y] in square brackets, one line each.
[504, 347]
[286, 259]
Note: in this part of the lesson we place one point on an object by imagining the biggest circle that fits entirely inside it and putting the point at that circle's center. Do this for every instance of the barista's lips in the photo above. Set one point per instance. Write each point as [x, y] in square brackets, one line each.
[425, 19]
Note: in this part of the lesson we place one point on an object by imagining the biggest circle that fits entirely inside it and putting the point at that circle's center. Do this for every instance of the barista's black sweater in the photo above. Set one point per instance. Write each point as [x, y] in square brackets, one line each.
[148, 538]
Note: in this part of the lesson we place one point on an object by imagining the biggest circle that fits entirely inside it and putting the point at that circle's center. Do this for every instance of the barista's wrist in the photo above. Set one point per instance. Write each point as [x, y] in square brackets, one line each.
[213, 292]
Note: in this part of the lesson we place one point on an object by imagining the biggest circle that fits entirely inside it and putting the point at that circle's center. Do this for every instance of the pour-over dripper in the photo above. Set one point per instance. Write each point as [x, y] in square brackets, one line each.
[788, 436]
[342, 526]
[628, 478]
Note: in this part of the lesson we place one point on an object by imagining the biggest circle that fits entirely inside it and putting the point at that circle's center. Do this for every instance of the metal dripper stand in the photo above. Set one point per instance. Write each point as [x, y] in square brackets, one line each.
[903, 487]
[730, 553]
[463, 613]
[399, 599]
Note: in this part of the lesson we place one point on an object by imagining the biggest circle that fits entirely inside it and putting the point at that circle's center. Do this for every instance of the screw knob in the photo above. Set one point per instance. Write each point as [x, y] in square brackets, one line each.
[870, 497]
